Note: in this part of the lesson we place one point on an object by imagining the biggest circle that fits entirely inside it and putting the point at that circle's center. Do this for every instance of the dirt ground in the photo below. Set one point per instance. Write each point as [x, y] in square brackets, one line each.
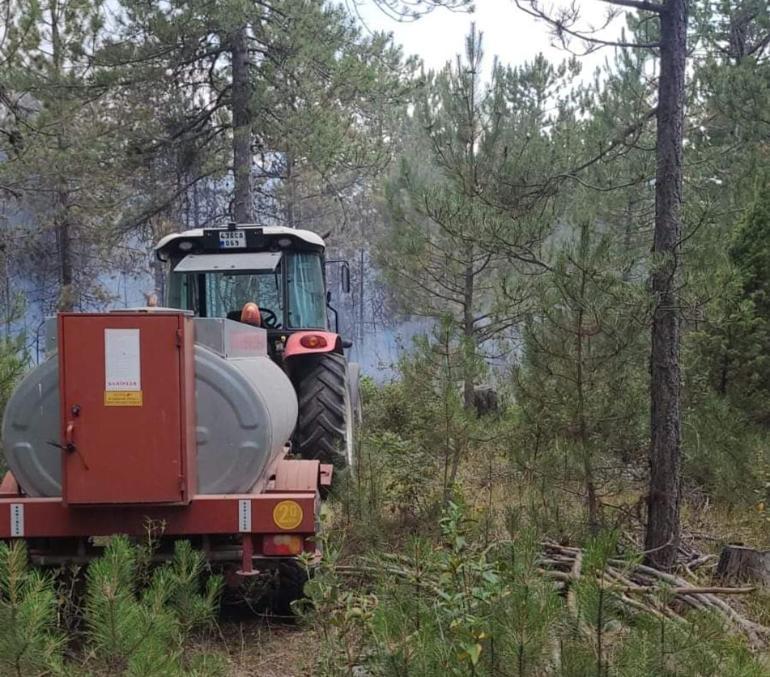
[259, 648]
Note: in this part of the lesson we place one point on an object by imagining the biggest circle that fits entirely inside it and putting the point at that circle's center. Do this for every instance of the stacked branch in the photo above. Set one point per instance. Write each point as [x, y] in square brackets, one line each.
[644, 589]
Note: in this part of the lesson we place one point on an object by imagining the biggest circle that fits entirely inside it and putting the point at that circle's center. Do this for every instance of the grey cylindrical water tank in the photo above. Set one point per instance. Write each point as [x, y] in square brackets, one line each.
[246, 412]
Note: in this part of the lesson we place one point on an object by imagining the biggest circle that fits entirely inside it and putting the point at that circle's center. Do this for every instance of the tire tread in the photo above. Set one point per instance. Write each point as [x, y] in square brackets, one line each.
[320, 432]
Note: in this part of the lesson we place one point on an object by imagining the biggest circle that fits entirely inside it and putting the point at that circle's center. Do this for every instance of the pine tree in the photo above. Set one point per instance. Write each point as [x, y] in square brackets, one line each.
[579, 382]
[141, 630]
[60, 141]
[30, 641]
[736, 329]
[309, 92]
[461, 203]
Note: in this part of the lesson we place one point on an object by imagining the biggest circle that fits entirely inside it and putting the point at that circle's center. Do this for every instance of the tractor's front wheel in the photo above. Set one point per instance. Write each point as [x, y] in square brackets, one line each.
[326, 420]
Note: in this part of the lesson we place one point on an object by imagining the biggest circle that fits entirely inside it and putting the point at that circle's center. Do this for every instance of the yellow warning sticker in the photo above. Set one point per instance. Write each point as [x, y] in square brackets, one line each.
[122, 398]
[287, 514]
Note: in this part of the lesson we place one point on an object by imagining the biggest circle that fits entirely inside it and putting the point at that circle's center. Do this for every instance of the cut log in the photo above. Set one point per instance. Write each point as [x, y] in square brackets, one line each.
[738, 563]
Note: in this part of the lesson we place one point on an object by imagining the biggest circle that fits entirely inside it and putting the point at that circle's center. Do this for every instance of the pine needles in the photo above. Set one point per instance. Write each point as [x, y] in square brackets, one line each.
[30, 642]
[133, 624]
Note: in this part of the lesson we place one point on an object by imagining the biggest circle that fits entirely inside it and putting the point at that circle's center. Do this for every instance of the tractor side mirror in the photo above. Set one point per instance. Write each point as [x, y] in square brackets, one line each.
[346, 278]
[344, 274]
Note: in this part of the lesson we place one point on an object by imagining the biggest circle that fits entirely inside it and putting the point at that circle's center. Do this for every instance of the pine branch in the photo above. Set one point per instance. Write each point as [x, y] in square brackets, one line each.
[637, 4]
[562, 26]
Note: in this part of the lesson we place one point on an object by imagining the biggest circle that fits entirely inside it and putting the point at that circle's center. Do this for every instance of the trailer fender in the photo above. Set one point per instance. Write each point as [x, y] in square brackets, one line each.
[312, 342]
[300, 475]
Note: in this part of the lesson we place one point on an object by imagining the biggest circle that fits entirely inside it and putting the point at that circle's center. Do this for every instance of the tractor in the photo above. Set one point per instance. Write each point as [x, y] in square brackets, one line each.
[218, 272]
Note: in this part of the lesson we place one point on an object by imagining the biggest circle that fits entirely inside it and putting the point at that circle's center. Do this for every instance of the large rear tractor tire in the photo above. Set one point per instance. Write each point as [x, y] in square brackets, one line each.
[327, 410]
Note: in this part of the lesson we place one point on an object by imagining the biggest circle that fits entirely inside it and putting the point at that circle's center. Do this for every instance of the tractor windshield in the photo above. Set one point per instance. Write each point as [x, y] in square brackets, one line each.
[227, 293]
[298, 277]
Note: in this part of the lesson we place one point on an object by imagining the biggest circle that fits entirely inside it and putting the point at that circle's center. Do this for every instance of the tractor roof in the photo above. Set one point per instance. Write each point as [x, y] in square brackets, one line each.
[170, 241]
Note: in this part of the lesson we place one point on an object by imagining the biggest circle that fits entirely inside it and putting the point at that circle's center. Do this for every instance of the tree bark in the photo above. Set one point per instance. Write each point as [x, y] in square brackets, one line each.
[469, 349]
[361, 290]
[592, 499]
[663, 528]
[159, 275]
[290, 193]
[62, 225]
[243, 200]
[196, 205]
[64, 241]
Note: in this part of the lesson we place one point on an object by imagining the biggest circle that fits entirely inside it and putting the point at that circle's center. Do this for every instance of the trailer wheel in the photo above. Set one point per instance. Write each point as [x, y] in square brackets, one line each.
[326, 421]
[289, 584]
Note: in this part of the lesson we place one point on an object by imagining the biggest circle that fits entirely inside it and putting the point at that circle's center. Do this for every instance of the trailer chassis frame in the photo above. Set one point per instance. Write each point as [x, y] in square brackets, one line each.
[248, 517]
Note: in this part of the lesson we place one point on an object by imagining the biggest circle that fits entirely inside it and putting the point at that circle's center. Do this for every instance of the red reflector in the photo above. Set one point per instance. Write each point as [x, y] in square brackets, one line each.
[282, 544]
[313, 341]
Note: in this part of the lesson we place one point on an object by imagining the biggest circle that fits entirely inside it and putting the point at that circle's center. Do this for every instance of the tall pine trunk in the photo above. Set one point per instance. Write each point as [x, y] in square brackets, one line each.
[469, 338]
[361, 333]
[290, 209]
[592, 498]
[62, 218]
[243, 203]
[663, 529]
[66, 301]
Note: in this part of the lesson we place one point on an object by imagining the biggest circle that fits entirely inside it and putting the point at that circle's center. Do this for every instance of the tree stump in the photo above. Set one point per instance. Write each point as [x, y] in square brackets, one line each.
[738, 563]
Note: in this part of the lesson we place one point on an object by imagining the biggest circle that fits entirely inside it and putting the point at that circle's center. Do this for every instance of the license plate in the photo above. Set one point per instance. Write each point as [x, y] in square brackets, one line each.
[232, 239]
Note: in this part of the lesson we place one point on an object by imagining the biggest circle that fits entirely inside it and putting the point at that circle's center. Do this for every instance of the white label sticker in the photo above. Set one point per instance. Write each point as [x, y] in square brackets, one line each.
[17, 519]
[121, 360]
[244, 515]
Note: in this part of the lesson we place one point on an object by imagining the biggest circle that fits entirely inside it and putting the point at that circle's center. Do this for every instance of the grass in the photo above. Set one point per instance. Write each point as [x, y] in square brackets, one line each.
[494, 495]
[256, 647]
[712, 524]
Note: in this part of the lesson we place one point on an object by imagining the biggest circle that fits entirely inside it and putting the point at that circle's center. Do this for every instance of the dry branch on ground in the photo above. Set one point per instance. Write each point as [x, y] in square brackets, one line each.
[654, 592]
[637, 587]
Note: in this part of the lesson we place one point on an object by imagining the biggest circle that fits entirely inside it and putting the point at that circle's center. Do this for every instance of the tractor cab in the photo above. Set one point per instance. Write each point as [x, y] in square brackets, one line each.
[274, 277]
[214, 273]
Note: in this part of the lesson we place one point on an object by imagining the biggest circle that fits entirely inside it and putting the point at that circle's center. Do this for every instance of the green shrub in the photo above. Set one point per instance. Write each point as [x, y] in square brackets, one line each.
[725, 453]
[30, 641]
[455, 606]
[132, 627]
[418, 435]
[142, 632]
[668, 649]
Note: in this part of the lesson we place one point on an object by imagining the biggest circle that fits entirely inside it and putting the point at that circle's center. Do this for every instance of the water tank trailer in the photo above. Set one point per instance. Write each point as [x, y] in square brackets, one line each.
[218, 417]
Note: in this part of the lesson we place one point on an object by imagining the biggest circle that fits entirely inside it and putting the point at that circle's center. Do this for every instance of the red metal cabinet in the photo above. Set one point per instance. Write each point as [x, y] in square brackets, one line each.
[128, 407]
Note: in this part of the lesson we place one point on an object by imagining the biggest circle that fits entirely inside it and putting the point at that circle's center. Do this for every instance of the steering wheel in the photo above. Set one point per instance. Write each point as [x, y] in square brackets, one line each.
[269, 318]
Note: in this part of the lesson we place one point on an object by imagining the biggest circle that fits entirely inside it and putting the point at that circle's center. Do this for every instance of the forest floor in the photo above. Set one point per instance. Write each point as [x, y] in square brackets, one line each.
[264, 647]
[257, 647]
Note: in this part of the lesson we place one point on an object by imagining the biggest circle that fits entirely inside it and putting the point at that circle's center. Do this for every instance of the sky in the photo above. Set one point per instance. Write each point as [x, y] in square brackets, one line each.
[508, 32]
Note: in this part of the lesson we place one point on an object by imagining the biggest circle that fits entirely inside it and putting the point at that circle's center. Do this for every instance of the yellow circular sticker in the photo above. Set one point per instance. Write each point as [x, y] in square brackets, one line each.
[287, 514]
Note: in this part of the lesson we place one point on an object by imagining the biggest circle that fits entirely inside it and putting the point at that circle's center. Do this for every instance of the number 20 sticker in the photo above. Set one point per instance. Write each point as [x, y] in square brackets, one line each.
[287, 514]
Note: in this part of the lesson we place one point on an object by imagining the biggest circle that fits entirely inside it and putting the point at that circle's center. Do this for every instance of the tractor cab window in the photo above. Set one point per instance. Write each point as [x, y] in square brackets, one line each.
[305, 286]
[290, 295]
[213, 285]
[227, 293]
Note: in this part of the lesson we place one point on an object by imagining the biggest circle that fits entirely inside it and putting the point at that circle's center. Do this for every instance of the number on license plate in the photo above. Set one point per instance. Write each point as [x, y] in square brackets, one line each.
[232, 239]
